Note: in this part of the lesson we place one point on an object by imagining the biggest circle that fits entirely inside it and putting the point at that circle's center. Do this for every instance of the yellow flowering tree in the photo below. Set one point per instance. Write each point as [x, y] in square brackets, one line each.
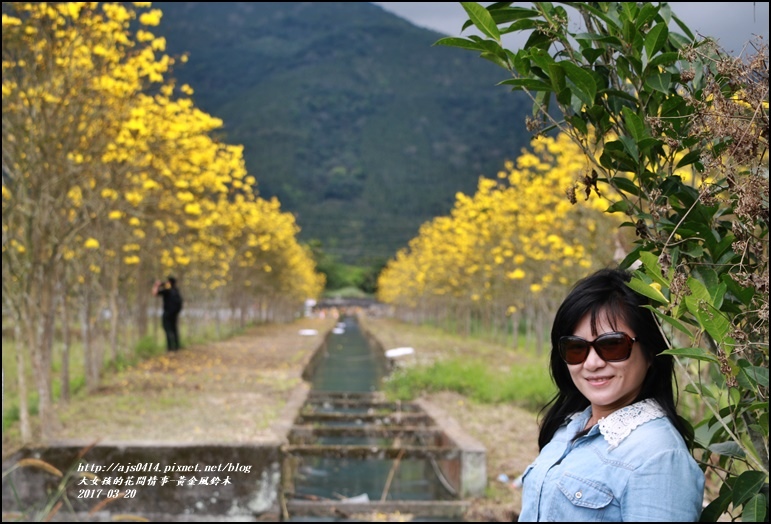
[69, 71]
[511, 247]
[111, 177]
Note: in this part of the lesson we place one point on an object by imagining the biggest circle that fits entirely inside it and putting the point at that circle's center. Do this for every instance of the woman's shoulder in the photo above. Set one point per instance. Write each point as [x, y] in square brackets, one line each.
[641, 425]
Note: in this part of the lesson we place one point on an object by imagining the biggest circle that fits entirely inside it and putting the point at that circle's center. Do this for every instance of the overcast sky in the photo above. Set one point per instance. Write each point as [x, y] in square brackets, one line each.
[731, 23]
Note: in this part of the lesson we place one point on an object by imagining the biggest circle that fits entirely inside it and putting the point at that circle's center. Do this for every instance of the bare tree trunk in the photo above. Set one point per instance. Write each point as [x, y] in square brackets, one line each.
[114, 315]
[527, 320]
[21, 371]
[540, 328]
[242, 301]
[143, 303]
[515, 330]
[67, 340]
[218, 320]
[39, 329]
[88, 350]
[468, 321]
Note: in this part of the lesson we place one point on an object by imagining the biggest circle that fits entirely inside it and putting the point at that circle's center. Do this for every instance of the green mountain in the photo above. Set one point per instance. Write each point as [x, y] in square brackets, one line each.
[347, 113]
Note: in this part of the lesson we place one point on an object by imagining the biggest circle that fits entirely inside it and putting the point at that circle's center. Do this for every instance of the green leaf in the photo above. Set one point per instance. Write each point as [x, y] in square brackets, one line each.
[622, 206]
[603, 39]
[585, 86]
[530, 84]
[680, 326]
[715, 322]
[694, 353]
[701, 389]
[678, 41]
[688, 159]
[693, 251]
[578, 123]
[698, 290]
[660, 82]
[655, 39]
[624, 184]
[494, 58]
[646, 143]
[521, 25]
[488, 45]
[743, 294]
[651, 263]
[511, 14]
[682, 26]
[716, 508]
[728, 449]
[664, 59]
[521, 62]
[630, 146]
[634, 124]
[615, 156]
[557, 77]
[482, 19]
[591, 54]
[747, 485]
[613, 93]
[755, 510]
[721, 247]
[646, 15]
[611, 19]
[542, 59]
[631, 258]
[463, 43]
[755, 375]
[538, 39]
[647, 290]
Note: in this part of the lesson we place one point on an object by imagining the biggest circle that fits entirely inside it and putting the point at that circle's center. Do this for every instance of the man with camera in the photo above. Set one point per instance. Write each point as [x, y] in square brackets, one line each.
[172, 305]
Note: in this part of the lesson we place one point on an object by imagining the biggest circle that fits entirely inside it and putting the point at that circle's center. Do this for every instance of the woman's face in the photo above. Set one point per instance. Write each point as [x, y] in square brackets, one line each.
[608, 385]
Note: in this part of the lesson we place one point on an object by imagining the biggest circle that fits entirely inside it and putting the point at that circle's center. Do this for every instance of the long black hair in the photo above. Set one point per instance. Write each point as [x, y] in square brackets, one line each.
[606, 293]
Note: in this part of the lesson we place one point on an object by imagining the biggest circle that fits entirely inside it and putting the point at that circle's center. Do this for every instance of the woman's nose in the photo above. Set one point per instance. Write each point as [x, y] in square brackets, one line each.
[593, 360]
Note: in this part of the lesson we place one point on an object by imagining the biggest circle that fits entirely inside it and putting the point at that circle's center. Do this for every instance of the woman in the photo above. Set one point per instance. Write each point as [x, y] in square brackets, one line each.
[612, 445]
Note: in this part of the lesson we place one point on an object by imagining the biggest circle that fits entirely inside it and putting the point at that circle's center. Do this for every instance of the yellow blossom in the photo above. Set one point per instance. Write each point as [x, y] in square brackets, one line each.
[151, 18]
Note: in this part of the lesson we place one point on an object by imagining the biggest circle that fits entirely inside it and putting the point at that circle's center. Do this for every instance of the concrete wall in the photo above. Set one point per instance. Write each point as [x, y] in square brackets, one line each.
[469, 475]
[250, 492]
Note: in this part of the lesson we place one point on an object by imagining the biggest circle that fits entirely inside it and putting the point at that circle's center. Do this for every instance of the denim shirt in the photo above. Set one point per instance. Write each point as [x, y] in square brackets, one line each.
[632, 466]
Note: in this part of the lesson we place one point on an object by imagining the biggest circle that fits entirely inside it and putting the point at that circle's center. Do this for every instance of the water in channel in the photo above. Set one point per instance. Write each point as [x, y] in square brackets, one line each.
[351, 364]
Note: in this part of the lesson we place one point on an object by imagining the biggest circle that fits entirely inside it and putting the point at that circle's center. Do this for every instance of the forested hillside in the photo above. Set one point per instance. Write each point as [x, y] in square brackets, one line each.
[347, 113]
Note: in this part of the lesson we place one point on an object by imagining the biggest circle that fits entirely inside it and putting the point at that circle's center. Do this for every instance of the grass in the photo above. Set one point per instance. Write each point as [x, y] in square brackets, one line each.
[483, 370]
[527, 386]
[347, 292]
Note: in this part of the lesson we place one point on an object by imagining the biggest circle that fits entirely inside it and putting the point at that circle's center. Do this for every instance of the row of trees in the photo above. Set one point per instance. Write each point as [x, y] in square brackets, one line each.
[510, 251]
[112, 178]
[643, 98]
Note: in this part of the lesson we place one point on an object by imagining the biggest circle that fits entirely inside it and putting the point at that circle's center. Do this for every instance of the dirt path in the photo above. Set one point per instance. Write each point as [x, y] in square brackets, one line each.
[234, 391]
[229, 391]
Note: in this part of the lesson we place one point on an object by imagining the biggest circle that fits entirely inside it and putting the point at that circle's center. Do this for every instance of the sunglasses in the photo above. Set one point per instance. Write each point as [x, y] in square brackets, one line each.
[610, 347]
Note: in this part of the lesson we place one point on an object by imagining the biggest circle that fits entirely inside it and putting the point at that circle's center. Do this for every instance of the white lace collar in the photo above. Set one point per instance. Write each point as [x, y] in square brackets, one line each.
[620, 424]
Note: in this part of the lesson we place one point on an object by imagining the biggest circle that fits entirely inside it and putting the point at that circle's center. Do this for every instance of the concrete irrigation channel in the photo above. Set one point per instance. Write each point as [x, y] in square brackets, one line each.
[350, 452]
[341, 452]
